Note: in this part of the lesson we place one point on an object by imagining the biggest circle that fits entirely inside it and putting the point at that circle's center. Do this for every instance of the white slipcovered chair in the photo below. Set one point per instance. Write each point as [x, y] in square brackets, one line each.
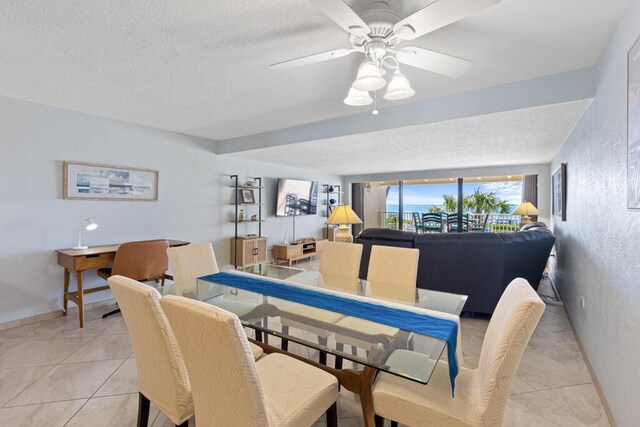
[387, 266]
[480, 394]
[196, 260]
[341, 259]
[340, 265]
[162, 376]
[230, 388]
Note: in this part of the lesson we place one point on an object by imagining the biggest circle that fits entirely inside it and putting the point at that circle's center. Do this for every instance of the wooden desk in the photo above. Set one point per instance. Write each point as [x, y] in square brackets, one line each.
[92, 258]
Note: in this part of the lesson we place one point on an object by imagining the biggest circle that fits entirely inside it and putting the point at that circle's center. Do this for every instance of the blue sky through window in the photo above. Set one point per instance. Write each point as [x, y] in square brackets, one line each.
[421, 197]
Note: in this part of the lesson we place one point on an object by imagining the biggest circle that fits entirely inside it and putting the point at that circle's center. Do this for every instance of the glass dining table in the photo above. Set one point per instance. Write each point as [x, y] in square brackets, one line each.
[376, 347]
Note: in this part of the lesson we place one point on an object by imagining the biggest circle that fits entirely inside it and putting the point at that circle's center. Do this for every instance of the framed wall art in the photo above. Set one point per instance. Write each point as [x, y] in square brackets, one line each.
[247, 196]
[633, 126]
[90, 181]
[559, 190]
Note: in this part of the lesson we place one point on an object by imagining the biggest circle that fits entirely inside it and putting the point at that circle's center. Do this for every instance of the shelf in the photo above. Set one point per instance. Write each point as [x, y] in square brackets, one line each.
[247, 187]
[247, 204]
[247, 220]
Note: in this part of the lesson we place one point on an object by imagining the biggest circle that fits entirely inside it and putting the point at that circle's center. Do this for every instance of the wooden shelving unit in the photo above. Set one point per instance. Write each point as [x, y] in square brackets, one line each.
[329, 231]
[247, 251]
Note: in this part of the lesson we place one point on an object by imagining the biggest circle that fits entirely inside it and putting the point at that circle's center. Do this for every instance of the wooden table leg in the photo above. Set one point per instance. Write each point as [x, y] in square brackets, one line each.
[367, 377]
[65, 300]
[80, 298]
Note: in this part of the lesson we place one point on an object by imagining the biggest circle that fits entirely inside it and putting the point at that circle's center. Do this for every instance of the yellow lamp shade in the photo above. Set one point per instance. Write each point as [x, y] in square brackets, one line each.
[526, 209]
[343, 214]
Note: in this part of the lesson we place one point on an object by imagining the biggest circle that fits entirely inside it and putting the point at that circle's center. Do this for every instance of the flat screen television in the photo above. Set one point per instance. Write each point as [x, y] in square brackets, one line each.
[296, 197]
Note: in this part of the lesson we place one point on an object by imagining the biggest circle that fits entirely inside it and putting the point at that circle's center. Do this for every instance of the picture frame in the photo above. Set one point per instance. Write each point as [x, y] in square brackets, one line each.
[94, 181]
[248, 197]
[559, 192]
[633, 126]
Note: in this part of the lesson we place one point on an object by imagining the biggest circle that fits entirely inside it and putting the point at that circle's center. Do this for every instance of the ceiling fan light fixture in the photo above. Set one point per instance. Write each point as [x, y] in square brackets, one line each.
[369, 77]
[399, 88]
[358, 98]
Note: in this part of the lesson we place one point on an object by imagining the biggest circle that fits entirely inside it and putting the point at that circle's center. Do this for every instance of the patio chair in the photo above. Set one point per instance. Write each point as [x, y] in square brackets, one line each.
[452, 222]
[432, 222]
[418, 223]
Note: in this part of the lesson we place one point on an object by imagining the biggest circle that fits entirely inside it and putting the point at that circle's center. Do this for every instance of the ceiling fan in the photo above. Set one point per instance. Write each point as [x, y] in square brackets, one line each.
[378, 33]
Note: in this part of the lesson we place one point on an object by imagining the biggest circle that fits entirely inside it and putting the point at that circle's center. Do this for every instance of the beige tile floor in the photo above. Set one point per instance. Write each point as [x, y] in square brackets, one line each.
[54, 374]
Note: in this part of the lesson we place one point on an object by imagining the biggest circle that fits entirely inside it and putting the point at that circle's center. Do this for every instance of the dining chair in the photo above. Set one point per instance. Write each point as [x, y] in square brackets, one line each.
[389, 267]
[230, 388]
[480, 394]
[162, 376]
[196, 260]
[192, 261]
[142, 261]
[340, 265]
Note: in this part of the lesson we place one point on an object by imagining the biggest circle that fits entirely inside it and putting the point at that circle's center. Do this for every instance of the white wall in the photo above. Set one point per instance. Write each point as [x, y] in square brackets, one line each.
[35, 220]
[598, 245]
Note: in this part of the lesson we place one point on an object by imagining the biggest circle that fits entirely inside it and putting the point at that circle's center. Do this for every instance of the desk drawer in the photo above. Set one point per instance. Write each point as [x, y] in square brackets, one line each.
[88, 262]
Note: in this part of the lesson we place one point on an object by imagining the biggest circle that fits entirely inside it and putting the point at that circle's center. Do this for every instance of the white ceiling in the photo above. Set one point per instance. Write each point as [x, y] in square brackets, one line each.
[200, 66]
[527, 136]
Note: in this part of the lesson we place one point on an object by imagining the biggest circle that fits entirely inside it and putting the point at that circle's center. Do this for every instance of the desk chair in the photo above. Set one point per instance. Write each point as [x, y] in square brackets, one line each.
[230, 388]
[141, 261]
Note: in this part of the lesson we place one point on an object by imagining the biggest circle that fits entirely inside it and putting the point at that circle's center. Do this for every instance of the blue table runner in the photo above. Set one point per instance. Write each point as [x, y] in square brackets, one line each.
[412, 321]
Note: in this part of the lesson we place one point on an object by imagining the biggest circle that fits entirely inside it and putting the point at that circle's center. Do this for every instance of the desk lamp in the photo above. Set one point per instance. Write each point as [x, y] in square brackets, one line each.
[88, 225]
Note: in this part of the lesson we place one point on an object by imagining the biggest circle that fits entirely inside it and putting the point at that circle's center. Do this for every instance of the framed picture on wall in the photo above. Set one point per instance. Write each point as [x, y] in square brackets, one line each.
[248, 196]
[633, 126]
[559, 190]
[91, 181]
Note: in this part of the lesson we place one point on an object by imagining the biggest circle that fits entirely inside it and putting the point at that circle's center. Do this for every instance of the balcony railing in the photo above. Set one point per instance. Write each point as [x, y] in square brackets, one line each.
[497, 223]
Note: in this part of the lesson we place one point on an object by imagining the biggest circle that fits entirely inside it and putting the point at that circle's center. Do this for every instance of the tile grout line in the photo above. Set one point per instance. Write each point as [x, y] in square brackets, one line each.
[94, 393]
[4, 405]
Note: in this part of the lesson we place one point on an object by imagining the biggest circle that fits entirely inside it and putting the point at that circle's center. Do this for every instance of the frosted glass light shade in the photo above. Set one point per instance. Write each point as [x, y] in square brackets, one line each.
[358, 98]
[369, 77]
[399, 88]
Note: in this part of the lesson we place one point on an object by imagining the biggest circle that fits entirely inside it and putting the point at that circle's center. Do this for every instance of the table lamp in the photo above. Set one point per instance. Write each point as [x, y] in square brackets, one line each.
[525, 209]
[88, 225]
[342, 216]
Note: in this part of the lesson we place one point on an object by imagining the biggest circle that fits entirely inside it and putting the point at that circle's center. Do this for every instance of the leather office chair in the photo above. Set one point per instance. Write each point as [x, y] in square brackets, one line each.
[142, 261]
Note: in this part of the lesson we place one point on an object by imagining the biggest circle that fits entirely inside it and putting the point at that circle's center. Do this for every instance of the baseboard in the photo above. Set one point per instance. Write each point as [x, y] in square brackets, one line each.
[54, 314]
[596, 382]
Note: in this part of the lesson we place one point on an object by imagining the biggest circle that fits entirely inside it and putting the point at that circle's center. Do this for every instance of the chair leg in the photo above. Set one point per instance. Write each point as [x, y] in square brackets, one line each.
[116, 311]
[339, 347]
[143, 410]
[285, 343]
[332, 415]
[379, 421]
[323, 354]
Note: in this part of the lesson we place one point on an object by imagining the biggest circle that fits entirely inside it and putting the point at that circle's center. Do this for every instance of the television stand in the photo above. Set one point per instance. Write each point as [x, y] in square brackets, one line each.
[297, 251]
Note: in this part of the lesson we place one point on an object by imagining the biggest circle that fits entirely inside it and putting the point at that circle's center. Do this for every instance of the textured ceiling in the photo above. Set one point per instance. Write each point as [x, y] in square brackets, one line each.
[200, 66]
[531, 135]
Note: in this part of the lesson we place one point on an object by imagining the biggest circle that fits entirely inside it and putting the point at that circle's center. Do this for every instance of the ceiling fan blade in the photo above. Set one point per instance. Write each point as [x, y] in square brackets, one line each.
[435, 62]
[343, 15]
[437, 15]
[311, 59]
